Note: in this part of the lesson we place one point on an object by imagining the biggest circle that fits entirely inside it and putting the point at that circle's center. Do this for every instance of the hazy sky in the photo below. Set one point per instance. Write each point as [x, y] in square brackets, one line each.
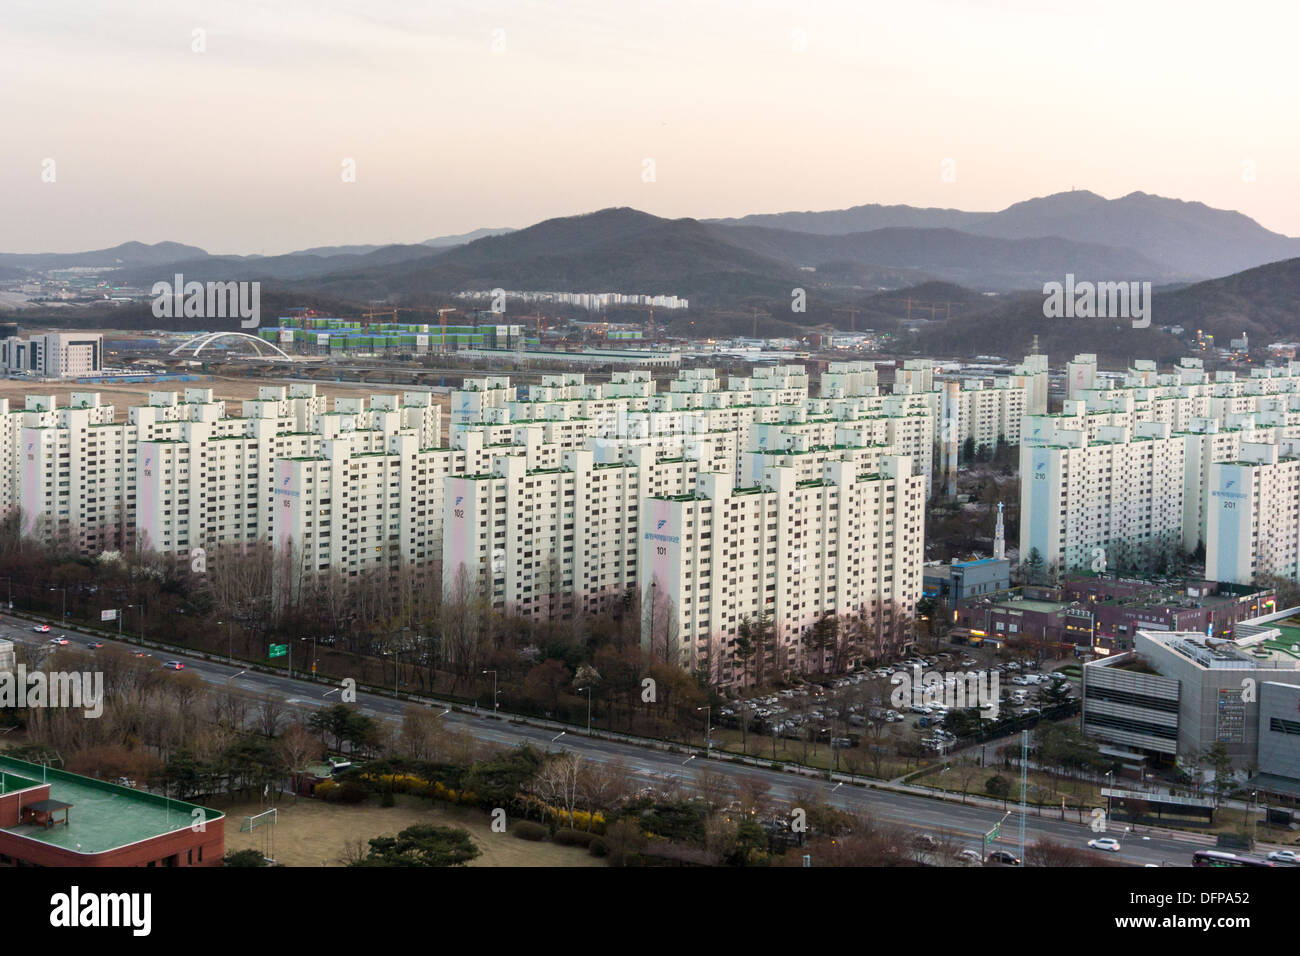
[494, 113]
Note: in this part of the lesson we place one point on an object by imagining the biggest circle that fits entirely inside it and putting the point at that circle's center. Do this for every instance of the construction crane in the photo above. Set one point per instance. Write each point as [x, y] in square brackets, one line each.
[442, 321]
[541, 323]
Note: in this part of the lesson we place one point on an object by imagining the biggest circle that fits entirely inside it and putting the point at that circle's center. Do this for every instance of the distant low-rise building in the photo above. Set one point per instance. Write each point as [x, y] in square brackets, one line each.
[53, 355]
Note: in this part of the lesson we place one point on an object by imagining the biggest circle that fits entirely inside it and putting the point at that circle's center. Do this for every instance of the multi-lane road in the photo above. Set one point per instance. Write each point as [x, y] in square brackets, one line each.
[659, 769]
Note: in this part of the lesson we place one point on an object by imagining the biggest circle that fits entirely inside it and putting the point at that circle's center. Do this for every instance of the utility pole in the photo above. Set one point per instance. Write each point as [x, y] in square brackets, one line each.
[1024, 781]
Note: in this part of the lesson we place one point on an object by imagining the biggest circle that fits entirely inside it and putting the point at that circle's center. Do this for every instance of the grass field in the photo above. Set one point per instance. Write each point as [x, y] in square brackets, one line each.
[316, 833]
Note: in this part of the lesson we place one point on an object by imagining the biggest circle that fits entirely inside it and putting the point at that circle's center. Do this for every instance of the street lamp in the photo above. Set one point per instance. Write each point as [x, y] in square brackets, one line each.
[588, 690]
[313, 655]
[64, 619]
[494, 694]
[708, 729]
[230, 641]
[1110, 774]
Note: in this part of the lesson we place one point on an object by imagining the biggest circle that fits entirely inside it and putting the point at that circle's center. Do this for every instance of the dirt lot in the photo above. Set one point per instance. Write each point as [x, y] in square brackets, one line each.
[315, 833]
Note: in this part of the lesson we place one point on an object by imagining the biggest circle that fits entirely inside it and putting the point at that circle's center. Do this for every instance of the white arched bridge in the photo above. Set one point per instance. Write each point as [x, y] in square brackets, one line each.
[200, 342]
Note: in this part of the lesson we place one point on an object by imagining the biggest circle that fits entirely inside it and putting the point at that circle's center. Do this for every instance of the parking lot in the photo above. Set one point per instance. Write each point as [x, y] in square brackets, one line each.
[880, 705]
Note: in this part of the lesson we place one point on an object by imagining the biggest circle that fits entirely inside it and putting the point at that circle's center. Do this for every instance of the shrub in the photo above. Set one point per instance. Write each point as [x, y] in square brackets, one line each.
[347, 792]
[567, 837]
[527, 830]
[598, 847]
[245, 858]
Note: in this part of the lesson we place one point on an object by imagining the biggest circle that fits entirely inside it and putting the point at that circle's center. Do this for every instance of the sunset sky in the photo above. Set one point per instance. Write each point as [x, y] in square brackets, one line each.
[492, 113]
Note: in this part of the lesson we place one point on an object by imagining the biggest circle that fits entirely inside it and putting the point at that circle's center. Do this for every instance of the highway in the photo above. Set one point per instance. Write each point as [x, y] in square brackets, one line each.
[963, 824]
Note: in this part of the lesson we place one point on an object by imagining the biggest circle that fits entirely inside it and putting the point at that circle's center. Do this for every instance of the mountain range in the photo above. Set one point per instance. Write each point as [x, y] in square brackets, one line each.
[838, 257]
[1186, 237]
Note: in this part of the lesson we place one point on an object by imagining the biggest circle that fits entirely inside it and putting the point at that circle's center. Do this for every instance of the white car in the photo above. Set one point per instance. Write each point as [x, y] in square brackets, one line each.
[1285, 856]
[1109, 844]
[1020, 681]
[41, 628]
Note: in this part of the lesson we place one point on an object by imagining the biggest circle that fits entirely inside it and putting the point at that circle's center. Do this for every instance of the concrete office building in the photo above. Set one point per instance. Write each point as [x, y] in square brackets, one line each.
[53, 355]
[1278, 762]
[1176, 694]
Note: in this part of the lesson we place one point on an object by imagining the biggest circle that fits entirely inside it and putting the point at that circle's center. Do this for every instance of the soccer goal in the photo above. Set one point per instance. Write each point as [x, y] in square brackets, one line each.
[266, 820]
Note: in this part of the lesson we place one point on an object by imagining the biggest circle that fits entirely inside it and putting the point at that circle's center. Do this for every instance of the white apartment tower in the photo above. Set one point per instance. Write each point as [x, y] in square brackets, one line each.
[1253, 515]
[791, 550]
[1115, 501]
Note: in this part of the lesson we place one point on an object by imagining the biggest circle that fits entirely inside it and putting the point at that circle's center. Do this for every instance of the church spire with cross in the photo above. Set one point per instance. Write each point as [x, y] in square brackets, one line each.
[999, 538]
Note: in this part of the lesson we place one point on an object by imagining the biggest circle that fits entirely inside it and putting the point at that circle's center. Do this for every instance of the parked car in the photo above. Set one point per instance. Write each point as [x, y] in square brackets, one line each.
[1109, 844]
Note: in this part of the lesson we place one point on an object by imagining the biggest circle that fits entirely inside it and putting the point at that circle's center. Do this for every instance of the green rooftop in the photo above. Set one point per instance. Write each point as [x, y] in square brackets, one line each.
[1289, 639]
[104, 816]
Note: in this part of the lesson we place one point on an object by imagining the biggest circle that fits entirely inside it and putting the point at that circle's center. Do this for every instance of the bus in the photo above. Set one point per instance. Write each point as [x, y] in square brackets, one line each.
[1222, 858]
